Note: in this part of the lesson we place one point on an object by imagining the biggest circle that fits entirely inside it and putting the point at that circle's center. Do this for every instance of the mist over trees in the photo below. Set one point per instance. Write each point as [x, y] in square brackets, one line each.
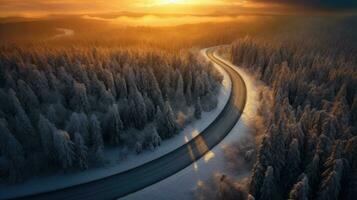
[60, 107]
[309, 146]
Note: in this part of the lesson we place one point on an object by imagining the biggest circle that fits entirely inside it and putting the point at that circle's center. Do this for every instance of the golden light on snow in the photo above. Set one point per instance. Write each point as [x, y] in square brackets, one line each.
[195, 166]
[201, 144]
[199, 183]
[194, 133]
[190, 152]
[202, 147]
[208, 156]
[186, 139]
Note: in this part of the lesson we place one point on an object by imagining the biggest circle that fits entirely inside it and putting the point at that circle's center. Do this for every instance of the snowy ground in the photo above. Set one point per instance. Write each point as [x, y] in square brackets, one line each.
[182, 184]
[61, 180]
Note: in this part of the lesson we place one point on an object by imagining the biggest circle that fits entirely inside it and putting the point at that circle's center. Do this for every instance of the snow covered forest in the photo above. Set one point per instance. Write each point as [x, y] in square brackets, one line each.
[306, 145]
[308, 150]
[61, 107]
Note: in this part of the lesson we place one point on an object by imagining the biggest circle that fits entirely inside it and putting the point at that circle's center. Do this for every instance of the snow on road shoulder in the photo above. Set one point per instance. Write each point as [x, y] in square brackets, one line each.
[62, 180]
[182, 184]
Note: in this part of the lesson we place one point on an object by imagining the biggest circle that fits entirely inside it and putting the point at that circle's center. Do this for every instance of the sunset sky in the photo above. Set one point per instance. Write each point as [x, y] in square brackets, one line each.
[45, 7]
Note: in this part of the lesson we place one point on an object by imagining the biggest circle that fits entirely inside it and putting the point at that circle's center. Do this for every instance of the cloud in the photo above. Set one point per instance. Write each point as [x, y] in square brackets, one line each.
[44, 7]
[40, 7]
[166, 20]
[314, 4]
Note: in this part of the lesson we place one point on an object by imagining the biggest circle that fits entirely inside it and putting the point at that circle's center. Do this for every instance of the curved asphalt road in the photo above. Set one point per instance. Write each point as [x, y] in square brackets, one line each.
[130, 181]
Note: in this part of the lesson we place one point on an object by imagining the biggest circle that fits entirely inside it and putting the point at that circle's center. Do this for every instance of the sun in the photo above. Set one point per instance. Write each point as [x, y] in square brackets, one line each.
[154, 3]
[172, 1]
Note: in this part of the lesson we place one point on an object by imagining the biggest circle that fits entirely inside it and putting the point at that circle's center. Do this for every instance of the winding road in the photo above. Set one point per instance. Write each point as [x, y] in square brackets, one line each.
[130, 181]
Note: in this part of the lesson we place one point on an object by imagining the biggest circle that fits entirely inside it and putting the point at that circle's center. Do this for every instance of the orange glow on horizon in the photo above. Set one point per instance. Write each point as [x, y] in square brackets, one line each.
[45, 8]
[41, 8]
[157, 21]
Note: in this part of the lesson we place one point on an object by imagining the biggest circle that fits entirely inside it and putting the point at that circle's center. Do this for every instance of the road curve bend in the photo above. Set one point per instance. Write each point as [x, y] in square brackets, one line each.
[135, 179]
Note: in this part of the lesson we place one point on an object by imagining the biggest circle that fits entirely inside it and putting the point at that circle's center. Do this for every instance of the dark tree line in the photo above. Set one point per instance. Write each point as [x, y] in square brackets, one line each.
[59, 107]
[309, 148]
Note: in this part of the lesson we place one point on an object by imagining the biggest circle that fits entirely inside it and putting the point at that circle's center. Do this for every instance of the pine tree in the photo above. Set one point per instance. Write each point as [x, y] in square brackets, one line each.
[23, 124]
[342, 93]
[114, 125]
[108, 80]
[79, 101]
[160, 122]
[26, 96]
[324, 146]
[330, 185]
[155, 138]
[170, 117]
[9, 81]
[121, 88]
[198, 86]
[96, 86]
[67, 82]
[207, 88]
[78, 122]
[74, 124]
[2, 75]
[350, 151]
[150, 108]
[130, 79]
[188, 90]
[152, 138]
[51, 114]
[138, 147]
[264, 159]
[59, 115]
[341, 111]
[96, 138]
[106, 98]
[256, 180]
[165, 82]
[354, 113]
[6, 103]
[292, 167]
[300, 190]
[313, 171]
[198, 108]
[46, 129]
[154, 92]
[179, 95]
[81, 151]
[269, 187]
[24, 130]
[329, 128]
[13, 152]
[53, 82]
[138, 109]
[40, 85]
[278, 148]
[63, 145]
[166, 124]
